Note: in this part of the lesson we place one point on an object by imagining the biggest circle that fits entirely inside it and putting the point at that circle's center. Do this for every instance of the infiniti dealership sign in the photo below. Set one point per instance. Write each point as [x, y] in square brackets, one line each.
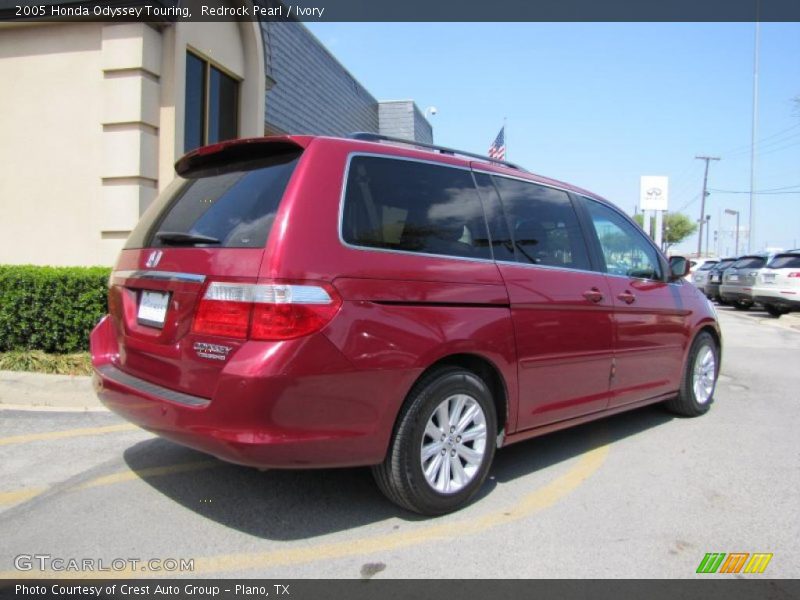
[654, 192]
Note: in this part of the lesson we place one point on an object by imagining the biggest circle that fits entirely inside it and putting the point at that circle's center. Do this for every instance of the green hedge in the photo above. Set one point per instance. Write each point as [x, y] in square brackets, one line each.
[50, 308]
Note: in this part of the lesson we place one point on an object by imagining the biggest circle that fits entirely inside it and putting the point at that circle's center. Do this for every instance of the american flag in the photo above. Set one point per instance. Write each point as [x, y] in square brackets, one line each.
[498, 148]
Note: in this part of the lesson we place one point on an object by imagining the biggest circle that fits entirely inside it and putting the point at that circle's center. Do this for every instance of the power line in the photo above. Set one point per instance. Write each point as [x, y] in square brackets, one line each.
[757, 193]
[774, 144]
[746, 147]
[778, 189]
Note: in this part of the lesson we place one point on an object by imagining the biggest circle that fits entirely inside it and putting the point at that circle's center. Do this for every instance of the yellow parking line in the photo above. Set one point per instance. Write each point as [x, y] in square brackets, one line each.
[124, 476]
[534, 502]
[18, 496]
[22, 495]
[528, 505]
[58, 435]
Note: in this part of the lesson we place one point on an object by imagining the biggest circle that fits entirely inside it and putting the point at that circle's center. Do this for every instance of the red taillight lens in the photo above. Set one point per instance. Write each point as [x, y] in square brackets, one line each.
[794, 274]
[265, 311]
[217, 317]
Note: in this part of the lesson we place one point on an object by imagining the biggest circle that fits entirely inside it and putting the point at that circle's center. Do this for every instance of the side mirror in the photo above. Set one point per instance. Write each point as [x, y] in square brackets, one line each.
[679, 267]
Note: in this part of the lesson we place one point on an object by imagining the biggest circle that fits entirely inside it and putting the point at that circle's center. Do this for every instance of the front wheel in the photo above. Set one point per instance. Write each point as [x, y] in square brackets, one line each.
[774, 311]
[699, 379]
[443, 444]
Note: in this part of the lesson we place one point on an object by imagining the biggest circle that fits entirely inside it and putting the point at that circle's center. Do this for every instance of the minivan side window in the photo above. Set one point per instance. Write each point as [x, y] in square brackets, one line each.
[625, 249]
[543, 224]
[411, 206]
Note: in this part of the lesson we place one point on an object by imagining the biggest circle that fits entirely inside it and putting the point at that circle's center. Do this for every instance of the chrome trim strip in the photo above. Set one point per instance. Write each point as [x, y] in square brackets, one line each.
[140, 385]
[548, 267]
[161, 275]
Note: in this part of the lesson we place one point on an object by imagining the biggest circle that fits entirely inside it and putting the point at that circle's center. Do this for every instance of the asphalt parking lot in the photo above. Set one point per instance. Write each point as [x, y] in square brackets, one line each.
[641, 494]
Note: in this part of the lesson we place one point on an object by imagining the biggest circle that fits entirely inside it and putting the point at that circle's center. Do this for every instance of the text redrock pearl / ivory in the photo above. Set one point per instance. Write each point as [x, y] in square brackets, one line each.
[261, 11]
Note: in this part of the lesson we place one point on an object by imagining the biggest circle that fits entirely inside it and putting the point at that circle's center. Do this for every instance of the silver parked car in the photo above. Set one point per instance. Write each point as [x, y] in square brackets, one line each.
[699, 277]
[738, 280]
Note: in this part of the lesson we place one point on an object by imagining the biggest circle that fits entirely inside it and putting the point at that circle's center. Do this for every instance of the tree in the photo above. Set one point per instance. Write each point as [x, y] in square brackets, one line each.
[677, 227]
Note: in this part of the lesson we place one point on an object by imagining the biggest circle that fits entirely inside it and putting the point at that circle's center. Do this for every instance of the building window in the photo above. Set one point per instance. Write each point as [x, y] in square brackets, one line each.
[212, 99]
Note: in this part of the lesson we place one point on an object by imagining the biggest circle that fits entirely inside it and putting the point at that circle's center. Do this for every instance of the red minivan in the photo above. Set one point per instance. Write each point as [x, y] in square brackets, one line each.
[298, 301]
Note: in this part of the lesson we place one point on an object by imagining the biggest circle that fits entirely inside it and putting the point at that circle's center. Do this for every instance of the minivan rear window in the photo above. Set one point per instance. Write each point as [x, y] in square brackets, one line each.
[412, 206]
[232, 206]
[785, 261]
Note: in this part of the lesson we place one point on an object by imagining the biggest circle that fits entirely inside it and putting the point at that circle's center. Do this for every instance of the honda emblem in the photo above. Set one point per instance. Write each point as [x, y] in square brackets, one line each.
[153, 259]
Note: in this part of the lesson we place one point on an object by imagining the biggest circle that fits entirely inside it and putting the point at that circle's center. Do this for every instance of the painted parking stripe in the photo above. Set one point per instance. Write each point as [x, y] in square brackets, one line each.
[69, 433]
[25, 494]
[131, 475]
[528, 505]
[17, 496]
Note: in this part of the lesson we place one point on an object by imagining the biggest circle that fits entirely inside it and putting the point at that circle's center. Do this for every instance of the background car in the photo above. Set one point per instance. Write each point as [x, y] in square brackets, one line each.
[699, 276]
[777, 285]
[714, 278]
[737, 280]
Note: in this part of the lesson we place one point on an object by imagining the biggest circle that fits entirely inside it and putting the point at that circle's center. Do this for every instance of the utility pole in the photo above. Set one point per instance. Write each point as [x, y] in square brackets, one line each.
[753, 142]
[703, 203]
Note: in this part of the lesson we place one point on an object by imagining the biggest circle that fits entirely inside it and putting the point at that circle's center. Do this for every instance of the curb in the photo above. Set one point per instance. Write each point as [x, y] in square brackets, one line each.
[22, 390]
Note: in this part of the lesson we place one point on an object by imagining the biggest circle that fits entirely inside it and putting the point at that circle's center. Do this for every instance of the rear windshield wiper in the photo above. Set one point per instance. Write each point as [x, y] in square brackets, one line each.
[179, 238]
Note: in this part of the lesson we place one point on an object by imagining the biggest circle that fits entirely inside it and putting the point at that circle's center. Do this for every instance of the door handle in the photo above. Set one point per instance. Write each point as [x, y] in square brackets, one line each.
[627, 297]
[593, 295]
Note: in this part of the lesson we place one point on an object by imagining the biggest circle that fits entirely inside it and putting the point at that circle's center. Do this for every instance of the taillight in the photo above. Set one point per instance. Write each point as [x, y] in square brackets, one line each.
[794, 274]
[265, 311]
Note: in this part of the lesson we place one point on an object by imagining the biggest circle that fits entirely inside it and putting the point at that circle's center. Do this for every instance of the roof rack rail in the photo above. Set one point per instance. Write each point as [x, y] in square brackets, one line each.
[374, 137]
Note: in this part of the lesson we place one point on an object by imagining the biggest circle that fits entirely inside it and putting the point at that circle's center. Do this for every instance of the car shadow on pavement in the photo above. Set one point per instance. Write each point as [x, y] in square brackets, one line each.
[302, 504]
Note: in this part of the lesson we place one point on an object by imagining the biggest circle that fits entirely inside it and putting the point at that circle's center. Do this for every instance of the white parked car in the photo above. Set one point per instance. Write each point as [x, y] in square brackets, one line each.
[777, 286]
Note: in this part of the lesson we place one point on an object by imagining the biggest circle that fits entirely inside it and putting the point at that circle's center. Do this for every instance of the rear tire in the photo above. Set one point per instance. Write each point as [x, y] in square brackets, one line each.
[774, 311]
[739, 305]
[443, 443]
[699, 378]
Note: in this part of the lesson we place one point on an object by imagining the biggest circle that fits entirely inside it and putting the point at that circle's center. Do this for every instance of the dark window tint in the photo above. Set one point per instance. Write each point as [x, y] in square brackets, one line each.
[235, 206]
[222, 107]
[543, 225]
[502, 244]
[413, 207]
[625, 248]
[194, 131]
[750, 262]
[785, 261]
[212, 100]
[723, 264]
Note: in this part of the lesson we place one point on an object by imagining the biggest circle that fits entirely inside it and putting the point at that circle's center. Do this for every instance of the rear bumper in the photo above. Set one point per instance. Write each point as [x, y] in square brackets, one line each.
[736, 293]
[766, 295]
[282, 418]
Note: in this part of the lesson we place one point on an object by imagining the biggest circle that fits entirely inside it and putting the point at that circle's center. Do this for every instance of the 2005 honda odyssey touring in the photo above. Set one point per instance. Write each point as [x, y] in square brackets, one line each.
[300, 301]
